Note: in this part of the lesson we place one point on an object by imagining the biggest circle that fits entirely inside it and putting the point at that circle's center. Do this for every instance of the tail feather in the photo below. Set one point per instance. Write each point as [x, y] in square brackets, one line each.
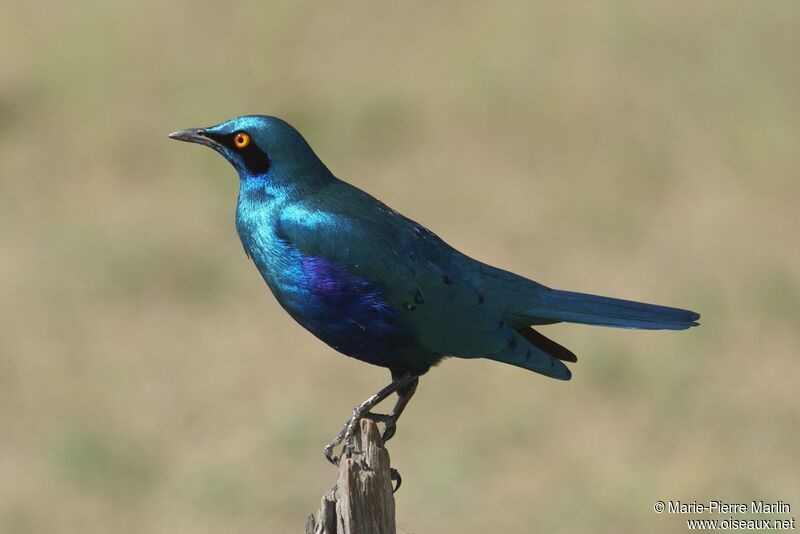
[568, 306]
[528, 355]
[548, 345]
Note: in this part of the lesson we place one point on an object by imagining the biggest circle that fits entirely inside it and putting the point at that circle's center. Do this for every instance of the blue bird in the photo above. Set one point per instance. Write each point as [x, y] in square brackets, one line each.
[383, 289]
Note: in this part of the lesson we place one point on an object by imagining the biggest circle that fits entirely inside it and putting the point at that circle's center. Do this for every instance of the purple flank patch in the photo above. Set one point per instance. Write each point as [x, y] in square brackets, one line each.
[331, 281]
[351, 313]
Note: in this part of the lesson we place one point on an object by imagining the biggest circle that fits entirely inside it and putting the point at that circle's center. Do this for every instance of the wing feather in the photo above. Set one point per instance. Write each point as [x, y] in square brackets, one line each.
[418, 272]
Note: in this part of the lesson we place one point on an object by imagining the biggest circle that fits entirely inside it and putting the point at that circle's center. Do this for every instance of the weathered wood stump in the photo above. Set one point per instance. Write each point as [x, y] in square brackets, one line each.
[362, 500]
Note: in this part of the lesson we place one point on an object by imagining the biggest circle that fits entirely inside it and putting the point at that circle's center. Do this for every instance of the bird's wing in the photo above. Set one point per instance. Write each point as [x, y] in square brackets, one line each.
[417, 271]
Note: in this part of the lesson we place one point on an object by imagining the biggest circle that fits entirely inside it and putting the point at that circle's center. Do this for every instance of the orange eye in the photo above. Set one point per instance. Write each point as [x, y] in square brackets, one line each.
[241, 140]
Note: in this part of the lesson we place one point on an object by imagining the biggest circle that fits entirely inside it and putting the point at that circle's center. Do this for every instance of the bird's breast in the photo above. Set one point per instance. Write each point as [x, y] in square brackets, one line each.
[279, 263]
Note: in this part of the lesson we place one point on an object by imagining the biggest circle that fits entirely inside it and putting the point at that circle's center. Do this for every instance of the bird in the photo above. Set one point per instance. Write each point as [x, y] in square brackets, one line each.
[383, 289]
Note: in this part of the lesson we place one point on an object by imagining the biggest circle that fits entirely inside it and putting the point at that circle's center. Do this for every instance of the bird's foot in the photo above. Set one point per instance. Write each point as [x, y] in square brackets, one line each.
[394, 474]
[328, 452]
[389, 431]
[345, 436]
[363, 410]
[389, 424]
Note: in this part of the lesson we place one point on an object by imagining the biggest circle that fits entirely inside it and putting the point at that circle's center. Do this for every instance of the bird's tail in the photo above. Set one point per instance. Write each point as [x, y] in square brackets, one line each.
[531, 350]
[555, 305]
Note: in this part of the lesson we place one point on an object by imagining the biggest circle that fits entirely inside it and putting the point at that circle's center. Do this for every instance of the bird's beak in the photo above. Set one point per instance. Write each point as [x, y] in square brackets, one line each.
[195, 135]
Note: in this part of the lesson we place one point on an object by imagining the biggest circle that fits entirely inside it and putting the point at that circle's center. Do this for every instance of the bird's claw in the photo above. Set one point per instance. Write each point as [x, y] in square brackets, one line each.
[328, 452]
[394, 475]
[389, 422]
[345, 436]
[389, 431]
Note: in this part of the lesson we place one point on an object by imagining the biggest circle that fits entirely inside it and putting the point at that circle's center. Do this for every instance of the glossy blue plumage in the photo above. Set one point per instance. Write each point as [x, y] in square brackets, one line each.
[351, 314]
[379, 287]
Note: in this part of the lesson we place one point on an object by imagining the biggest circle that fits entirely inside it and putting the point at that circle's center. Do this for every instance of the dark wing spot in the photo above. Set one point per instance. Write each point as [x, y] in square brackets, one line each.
[446, 279]
[418, 297]
[512, 344]
[481, 299]
[528, 355]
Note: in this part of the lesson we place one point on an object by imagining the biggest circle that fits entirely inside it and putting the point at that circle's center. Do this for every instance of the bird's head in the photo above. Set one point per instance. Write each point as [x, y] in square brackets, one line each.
[256, 145]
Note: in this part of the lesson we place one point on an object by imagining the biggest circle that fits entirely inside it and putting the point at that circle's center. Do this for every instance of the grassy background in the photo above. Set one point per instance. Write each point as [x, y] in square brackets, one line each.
[150, 383]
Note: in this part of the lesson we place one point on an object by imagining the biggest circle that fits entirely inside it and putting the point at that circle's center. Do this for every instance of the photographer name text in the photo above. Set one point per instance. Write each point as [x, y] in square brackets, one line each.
[722, 507]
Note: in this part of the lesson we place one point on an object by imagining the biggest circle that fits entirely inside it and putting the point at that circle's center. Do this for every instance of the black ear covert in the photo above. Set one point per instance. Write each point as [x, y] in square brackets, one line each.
[255, 159]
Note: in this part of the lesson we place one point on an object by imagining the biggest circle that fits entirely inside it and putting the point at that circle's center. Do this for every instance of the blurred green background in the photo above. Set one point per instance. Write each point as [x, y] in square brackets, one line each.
[150, 383]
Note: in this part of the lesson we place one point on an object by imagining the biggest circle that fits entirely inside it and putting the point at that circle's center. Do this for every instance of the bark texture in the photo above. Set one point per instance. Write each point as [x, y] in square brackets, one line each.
[362, 500]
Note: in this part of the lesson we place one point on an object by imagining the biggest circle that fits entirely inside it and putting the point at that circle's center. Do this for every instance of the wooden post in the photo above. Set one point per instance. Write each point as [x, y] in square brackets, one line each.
[362, 500]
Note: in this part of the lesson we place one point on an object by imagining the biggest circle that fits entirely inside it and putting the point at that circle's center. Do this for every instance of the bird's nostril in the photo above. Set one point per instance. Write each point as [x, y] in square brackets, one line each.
[201, 132]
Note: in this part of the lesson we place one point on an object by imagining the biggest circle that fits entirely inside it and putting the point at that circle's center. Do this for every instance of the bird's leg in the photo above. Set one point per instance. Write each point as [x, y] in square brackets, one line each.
[404, 395]
[361, 410]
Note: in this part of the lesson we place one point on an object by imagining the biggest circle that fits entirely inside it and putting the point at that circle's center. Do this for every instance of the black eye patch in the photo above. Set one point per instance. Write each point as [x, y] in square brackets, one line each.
[255, 160]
